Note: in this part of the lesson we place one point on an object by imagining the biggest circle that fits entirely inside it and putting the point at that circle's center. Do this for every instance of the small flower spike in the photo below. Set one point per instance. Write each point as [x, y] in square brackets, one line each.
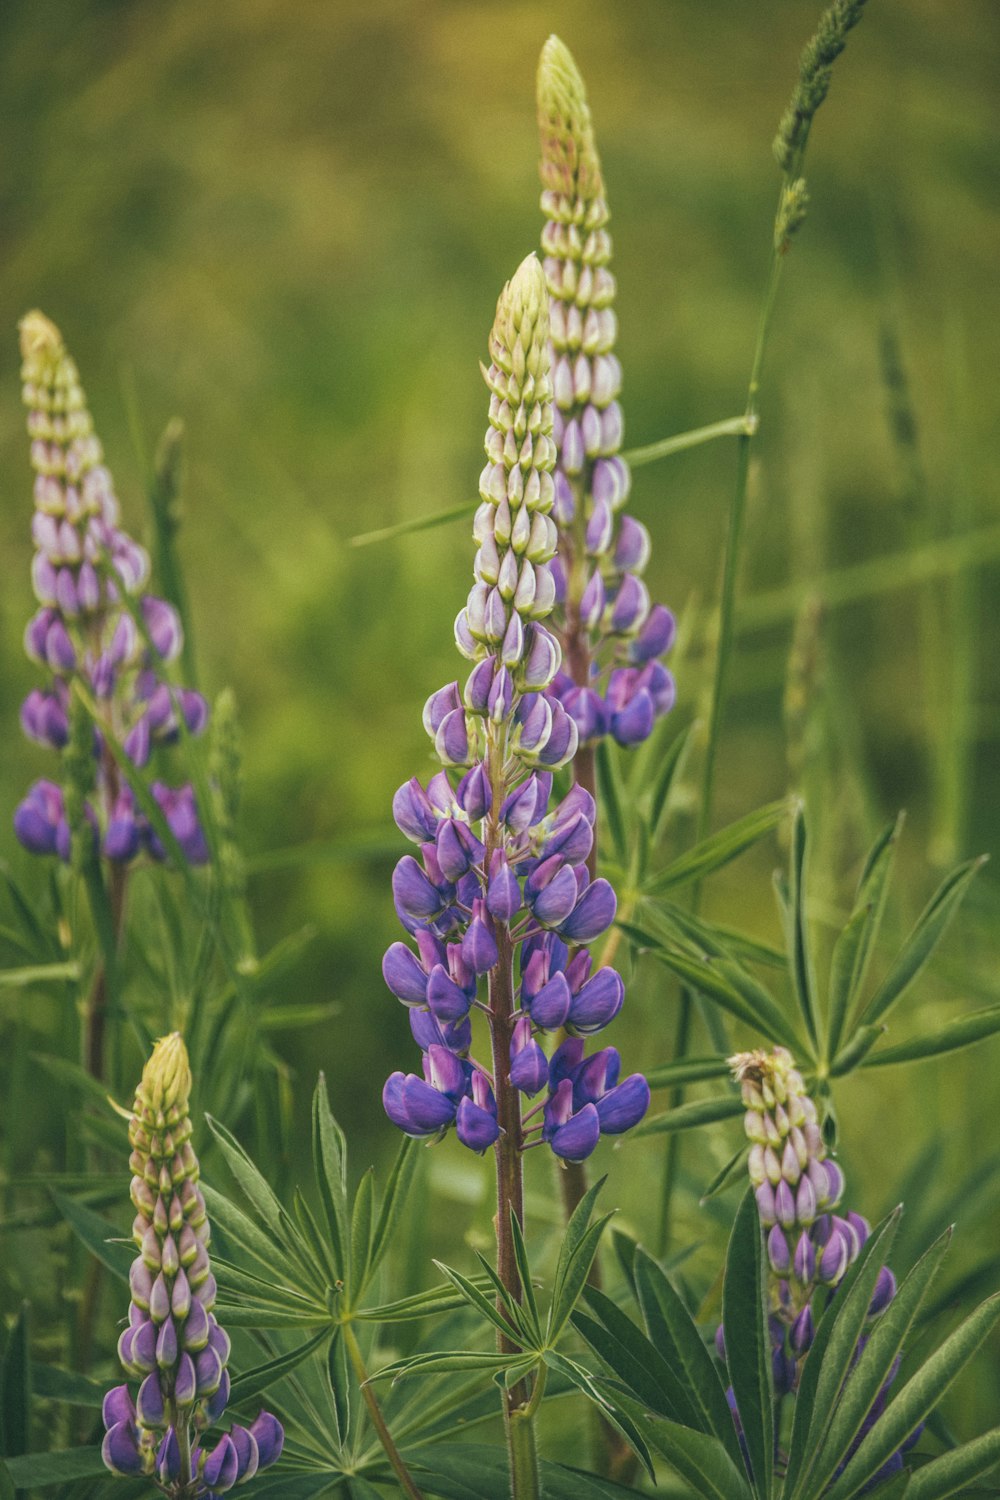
[96, 627]
[172, 1348]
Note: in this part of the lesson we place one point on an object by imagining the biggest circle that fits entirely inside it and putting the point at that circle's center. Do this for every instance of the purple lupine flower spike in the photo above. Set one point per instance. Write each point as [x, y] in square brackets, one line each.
[611, 634]
[173, 1345]
[500, 881]
[85, 569]
[798, 1188]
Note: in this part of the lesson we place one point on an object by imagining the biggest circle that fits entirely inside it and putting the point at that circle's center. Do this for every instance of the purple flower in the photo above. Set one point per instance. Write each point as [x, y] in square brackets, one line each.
[84, 564]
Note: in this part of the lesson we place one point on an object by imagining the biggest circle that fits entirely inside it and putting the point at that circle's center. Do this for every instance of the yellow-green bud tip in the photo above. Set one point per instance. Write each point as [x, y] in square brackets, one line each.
[166, 1078]
[570, 163]
[40, 338]
[522, 316]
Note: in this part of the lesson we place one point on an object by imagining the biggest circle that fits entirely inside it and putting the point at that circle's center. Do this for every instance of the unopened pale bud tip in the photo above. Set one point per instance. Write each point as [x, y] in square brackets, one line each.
[39, 335]
[166, 1078]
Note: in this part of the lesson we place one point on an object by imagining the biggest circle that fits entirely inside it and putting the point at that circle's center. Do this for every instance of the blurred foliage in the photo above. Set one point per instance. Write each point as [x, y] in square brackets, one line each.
[286, 223]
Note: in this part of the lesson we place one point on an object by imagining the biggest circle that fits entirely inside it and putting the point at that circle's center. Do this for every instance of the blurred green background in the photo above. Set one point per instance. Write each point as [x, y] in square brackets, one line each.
[287, 223]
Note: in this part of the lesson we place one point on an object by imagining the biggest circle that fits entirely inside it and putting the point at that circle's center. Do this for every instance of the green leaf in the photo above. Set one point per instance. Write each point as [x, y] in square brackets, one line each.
[963, 1031]
[691, 1115]
[872, 1369]
[612, 1412]
[15, 1389]
[673, 759]
[568, 1287]
[102, 1238]
[437, 1300]
[524, 1274]
[720, 941]
[854, 948]
[470, 1471]
[19, 979]
[748, 1343]
[726, 1176]
[922, 1391]
[833, 1352]
[250, 1384]
[576, 1228]
[441, 1362]
[950, 1472]
[715, 852]
[56, 1384]
[687, 1070]
[330, 1162]
[362, 1227]
[927, 933]
[675, 1334]
[244, 1233]
[40, 1470]
[611, 793]
[799, 956]
[699, 1458]
[482, 1303]
[748, 1001]
[338, 1373]
[856, 1050]
[394, 1200]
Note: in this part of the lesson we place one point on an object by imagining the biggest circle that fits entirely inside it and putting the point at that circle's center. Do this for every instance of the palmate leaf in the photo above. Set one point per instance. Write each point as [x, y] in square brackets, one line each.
[330, 1164]
[710, 937]
[674, 1332]
[748, 1343]
[508, 1322]
[725, 983]
[833, 1352]
[912, 1403]
[699, 1457]
[439, 1299]
[393, 1201]
[600, 1395]
[576, 1255]
[252, 1382]
[919, 946]
[471, 1471]
[836, 1430]
[715, 852]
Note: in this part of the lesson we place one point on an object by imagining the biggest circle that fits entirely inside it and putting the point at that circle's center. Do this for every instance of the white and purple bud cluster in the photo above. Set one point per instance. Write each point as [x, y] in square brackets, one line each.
[85, 567]
[502, 879]
[613, 636]
[173, 1345]
[798, 1190]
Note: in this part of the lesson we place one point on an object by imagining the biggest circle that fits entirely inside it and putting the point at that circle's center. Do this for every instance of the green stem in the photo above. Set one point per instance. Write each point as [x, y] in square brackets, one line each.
[720, 683]
[744, 426]
[378, 1421]
[525, 1482]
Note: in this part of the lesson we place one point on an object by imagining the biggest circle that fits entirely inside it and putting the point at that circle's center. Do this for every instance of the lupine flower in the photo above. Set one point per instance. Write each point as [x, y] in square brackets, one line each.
[96, 625]
[173, 1346]
[502, 879]
[613, 636]
[809, 1245]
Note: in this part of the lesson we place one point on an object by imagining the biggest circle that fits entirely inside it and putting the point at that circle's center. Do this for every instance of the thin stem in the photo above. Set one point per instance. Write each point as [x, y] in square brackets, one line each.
[518, 1418]
[743, 426]
[378, 1421]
